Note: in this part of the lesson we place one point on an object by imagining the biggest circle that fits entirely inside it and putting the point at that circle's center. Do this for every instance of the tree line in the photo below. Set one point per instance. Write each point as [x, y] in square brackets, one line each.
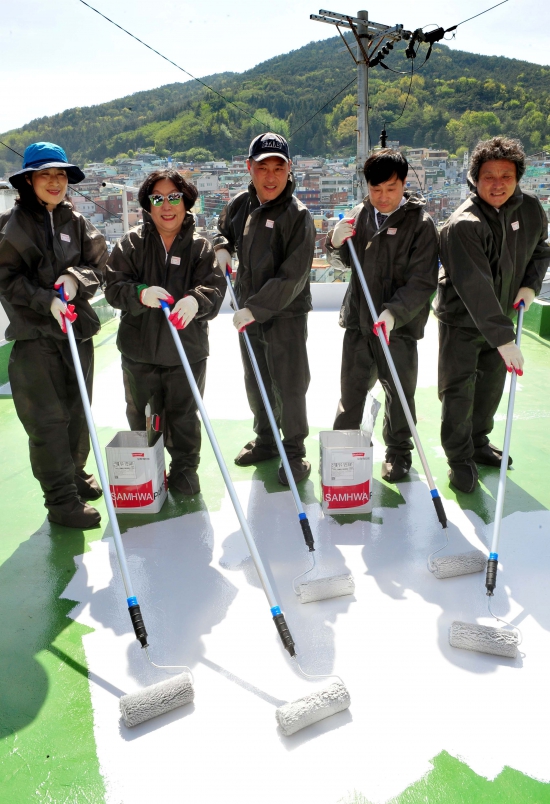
[452, 101]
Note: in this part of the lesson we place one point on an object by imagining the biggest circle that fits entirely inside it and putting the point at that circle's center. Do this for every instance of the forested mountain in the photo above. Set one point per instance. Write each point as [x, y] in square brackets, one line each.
[455, 98]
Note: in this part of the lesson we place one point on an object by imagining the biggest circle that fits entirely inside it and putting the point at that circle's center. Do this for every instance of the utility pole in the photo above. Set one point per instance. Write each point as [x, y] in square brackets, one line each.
[369, 36]
[363, 144]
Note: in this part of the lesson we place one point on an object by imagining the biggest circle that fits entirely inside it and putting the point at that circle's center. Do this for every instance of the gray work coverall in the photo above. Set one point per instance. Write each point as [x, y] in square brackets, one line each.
[41, 369]
[399, 262]
[274, 243]
[486, 257]
[150, 361]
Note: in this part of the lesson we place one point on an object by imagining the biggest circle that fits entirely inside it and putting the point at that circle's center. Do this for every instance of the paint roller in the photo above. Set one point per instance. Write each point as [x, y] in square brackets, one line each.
[485, 638]
[308, 591]
[312, 708]
[442, 566]
[166, 695]
[384, 342]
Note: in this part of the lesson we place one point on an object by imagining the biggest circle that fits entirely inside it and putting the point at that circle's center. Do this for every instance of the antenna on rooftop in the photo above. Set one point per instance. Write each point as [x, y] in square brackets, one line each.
[373, 43]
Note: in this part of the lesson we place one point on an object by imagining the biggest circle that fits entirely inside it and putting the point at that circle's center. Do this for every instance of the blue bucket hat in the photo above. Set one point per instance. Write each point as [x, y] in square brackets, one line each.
[41, 155]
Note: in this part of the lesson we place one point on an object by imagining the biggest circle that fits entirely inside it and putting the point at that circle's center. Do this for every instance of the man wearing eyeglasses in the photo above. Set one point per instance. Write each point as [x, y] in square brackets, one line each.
[165, 260]
[273, 235]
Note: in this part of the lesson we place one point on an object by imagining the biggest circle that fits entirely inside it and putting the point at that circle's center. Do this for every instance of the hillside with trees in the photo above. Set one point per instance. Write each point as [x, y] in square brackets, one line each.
[455, 99]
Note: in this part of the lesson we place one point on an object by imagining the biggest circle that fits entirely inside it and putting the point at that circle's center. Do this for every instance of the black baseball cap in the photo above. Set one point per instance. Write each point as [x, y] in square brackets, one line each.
[266, 145]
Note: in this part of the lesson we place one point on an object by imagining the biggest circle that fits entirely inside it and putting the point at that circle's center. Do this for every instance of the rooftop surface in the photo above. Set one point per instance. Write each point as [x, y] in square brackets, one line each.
[427, 722]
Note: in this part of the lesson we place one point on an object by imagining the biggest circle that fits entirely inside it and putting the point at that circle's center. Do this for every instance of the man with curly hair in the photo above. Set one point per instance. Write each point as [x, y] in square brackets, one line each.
[494, 254]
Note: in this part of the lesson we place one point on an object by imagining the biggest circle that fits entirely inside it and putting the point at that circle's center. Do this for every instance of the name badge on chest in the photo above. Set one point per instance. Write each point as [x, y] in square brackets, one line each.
[392, 231]
[270, 224]
[175, 260]
[65, 237]
[515, 225]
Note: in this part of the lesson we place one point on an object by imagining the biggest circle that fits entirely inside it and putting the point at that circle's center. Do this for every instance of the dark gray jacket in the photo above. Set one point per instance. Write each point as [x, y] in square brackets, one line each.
[32, 258]
[190, 269]
[399, 262]
[275, 243]
[486, 257]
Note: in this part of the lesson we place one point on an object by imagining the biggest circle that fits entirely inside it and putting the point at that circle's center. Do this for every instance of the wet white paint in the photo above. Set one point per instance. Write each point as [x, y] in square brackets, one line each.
[412, 694]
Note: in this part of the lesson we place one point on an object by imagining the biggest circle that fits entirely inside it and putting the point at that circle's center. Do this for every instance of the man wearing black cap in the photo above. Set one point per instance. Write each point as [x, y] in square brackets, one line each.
[274, 237]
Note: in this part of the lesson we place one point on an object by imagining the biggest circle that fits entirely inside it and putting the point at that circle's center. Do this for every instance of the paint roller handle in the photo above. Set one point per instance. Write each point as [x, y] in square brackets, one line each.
[137, 622]
[439, 509]
[306, 530]
[491, 577]
[282, 628]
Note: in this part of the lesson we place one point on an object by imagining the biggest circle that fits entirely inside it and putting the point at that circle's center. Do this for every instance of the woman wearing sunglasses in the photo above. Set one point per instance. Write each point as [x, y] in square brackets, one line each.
[164, 259]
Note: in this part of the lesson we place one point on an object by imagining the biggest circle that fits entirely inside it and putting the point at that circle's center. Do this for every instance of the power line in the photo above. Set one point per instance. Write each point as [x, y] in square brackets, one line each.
[478, 15]
[194, 77]
[215, 91]
[203, 83]
[408, 93]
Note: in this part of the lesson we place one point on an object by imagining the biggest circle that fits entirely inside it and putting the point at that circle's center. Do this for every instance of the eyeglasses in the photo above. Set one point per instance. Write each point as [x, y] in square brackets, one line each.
[173, 198]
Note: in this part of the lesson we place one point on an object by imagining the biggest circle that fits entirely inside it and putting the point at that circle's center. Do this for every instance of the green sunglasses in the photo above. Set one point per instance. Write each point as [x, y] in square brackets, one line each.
[173, 198]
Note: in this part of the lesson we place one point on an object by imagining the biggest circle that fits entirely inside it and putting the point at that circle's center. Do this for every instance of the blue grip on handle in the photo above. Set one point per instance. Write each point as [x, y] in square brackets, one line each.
[164, 304]
[340, 216]
[61, 291]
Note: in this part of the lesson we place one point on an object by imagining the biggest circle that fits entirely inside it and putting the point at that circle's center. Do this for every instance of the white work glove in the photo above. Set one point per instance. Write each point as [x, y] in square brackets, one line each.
[70, 285]
[242, 319]
[61, 311]
[151, 296]
[223, 258]
[184, 312]
[512, 356]
[342, 231]
[528, 297]
[58, 310]
[386, 323]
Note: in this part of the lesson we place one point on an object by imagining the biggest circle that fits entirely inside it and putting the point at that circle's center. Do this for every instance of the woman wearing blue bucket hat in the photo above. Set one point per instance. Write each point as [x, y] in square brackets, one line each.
[43, 243]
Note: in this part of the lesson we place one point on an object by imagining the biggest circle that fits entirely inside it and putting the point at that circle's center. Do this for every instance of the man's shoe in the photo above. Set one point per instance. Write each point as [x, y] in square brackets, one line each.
[253, 453]
[463, 475]
[74, 514]
[396, 466]
[186, 481]
[87, 486]
[489, 455]
[300, 470]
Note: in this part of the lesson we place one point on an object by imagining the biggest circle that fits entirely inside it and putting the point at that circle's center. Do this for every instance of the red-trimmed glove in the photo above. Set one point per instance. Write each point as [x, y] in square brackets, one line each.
[525, 295]
[343, 230]
[242, 319]
[60, 311]
[184, 312]
[512, 356]
[151, 296]
[385, 323]
[223, 258]
[70, 286]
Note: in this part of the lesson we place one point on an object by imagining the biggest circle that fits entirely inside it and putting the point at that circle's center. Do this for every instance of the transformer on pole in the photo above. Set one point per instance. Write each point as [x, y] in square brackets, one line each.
[369, 36]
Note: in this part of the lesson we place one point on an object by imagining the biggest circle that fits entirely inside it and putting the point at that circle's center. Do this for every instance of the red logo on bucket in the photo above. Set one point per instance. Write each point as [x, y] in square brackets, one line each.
[133, 496]
[347, 496]
[138, 455]
[358, 454]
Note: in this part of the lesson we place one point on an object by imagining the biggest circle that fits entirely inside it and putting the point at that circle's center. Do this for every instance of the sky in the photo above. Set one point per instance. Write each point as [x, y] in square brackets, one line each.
[59, 55]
